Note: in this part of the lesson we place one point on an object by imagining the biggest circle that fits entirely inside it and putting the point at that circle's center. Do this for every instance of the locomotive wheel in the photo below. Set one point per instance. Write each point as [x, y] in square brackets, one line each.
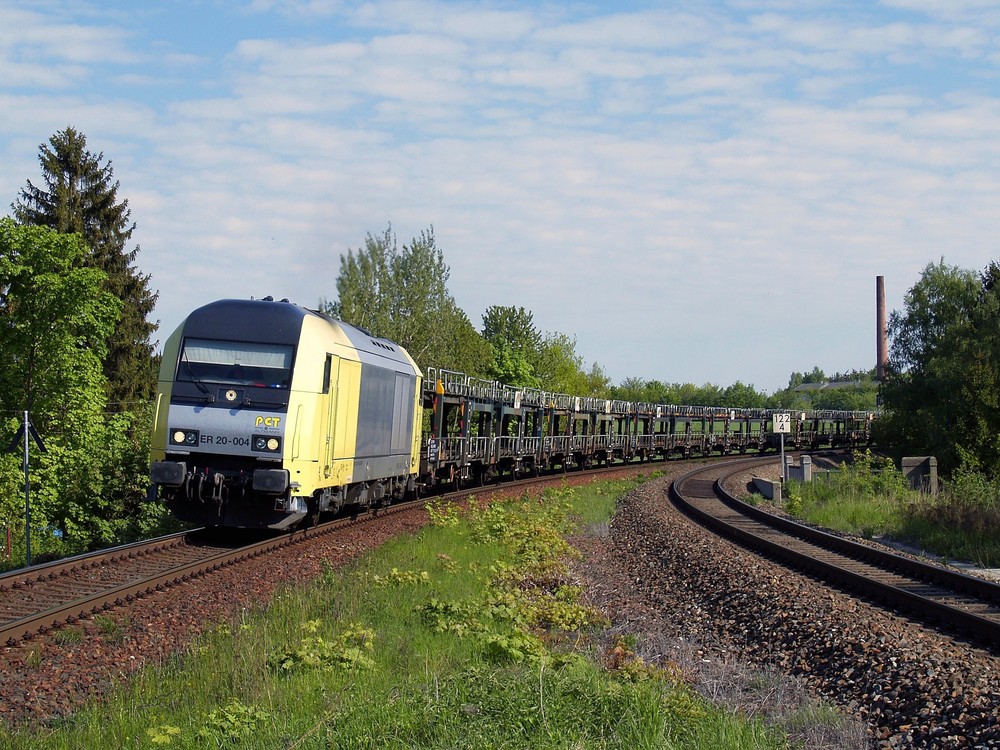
[312, 513]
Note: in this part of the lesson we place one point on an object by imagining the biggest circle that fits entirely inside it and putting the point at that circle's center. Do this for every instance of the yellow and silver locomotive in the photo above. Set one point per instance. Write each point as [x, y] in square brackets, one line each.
[268, 414]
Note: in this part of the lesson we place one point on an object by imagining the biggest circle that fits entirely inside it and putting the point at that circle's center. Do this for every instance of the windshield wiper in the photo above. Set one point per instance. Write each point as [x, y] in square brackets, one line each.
[192, 378]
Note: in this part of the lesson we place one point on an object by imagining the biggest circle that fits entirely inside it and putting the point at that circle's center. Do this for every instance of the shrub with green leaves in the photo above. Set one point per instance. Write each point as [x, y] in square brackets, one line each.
[163, 734]
[348, 649]
[459, 618]
[234, 723]
[442, 513]
[870, 497]
[397, 577]
[513, 647]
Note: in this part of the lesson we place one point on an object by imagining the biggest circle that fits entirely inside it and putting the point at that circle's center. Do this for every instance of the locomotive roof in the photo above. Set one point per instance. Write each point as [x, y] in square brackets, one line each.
[247, 320]
[276, 322]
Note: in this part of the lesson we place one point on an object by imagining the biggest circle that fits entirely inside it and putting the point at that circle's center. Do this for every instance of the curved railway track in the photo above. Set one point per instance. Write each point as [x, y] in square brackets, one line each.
[930, 593]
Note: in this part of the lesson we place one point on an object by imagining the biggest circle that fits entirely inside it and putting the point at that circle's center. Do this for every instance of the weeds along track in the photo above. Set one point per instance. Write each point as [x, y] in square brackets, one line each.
[935, 595]
[37, 599]
[44, 597]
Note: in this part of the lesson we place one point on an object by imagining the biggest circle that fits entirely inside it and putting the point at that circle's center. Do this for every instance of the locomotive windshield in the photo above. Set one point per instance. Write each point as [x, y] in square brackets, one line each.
[235, 363]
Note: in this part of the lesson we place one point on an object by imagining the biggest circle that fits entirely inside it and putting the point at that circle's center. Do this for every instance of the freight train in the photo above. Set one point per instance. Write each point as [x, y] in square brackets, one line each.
[269, 414]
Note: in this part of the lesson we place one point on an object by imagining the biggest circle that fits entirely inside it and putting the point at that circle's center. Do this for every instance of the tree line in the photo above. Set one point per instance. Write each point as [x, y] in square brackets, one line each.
[79, 351]
[401, 292]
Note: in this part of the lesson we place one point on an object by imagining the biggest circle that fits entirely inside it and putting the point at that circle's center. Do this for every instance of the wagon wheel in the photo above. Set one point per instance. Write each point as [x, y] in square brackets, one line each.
[456, 478]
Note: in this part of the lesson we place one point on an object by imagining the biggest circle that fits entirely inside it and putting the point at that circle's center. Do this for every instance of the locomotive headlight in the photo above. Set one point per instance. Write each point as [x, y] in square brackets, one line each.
[187, 438]
[265, 444]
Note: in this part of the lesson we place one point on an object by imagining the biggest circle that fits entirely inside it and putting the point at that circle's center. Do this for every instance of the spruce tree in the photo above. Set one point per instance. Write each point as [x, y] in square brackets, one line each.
[80, 196]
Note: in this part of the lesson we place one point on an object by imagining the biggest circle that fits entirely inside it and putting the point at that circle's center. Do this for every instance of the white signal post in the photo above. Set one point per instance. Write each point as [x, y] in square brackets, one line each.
[783, 426]
[27, 432]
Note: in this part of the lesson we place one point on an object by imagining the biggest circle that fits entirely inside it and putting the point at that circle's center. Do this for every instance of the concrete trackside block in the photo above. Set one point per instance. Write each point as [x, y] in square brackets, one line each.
[921, 473]
[801, 472]
[770, 490]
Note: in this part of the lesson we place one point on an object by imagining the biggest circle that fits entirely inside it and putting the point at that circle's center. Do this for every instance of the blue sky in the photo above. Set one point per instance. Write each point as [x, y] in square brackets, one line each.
[699, 192]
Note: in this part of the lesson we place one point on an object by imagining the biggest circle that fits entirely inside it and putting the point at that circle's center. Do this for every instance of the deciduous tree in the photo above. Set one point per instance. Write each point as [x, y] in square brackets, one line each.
[561, 369]
[740, 395]
[402, 295]
[55, 319]
[933, 379]
[515, 343]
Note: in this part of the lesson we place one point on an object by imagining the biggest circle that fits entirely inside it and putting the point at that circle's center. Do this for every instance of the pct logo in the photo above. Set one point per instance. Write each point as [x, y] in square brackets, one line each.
[267, 422]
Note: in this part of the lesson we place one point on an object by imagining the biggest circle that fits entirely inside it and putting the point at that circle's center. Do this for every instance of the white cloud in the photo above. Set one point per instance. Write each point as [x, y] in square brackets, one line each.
[61, 51]
[986, 12]
[701, 195]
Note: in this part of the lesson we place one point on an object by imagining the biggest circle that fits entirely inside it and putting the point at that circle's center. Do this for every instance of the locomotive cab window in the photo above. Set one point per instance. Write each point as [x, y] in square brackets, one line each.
[235, 363]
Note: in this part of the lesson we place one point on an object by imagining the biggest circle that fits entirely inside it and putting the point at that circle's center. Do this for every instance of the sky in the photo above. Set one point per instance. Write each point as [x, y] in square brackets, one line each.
[698, 192]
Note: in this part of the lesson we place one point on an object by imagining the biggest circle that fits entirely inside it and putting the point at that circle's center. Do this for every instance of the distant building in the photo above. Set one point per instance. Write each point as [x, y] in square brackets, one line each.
[828, 386]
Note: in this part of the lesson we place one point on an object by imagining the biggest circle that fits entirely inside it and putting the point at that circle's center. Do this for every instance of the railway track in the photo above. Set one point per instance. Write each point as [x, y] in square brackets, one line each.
[44, 597]
[937, 596]
[38, 599]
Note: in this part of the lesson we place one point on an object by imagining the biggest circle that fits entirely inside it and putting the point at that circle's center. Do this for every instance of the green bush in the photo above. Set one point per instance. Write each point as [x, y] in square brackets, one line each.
[870, 497]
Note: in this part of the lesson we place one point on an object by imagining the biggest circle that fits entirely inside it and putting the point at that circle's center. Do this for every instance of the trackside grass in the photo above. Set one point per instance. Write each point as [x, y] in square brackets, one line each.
[870, 497]
[469, 634]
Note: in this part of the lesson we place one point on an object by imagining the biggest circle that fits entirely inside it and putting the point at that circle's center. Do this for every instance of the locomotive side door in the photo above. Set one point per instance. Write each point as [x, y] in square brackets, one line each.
[331, 380]
[345, 413]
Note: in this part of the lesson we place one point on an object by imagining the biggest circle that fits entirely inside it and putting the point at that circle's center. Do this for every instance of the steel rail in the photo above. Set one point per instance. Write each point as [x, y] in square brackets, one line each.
[22, 576]
[107, 598]
[804, 547]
